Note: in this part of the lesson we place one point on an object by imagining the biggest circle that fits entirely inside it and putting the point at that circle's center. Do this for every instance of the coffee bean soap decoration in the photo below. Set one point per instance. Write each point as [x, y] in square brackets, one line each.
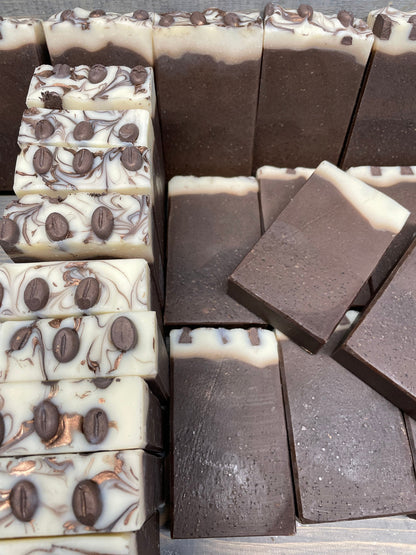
[80, 416]
[111, 491]
[100, 346]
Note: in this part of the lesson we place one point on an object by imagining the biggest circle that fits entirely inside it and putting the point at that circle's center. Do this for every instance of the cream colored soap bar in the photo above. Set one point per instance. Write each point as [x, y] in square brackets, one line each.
[68, 416]
[106, 345]
[78, 494]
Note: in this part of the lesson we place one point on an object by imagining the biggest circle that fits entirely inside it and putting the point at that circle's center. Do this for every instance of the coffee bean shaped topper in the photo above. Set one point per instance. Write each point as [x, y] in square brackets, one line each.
[36, 294]
[131, 158]
[231, 20]
[97, 73]
[20, 338]
[83, 131]
[83, 161]
[141, 15]
[43, 129]
[138, 75]
[9, 233]
[46, 420]
[87, 503]
[62, 70]
[128, 132]
[123, 334]
[87, 293]
[102, 222]
[95, 426]
[24, 500]
[166, 20]
[198, 18]
[56, 227]
[97, 13]
[305, 11]
[42, 160]
[2, 430]
[65, 345]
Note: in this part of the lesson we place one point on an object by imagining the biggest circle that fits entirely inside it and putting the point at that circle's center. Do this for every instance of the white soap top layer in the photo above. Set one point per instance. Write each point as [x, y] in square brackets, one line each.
[283, 174]
[114, 92]
[18, 32]
[396, 36]
[384, 176]
[105, 124]
[123, 287]
[286, 29]
[256, 346]
[75, 28]
[381, 212]
[224, 43]
[189, 185]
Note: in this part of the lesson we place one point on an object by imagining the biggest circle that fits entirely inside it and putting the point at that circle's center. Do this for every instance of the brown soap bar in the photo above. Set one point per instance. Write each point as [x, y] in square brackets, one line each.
[312, 70]
[384, 131]
[213, 223]
[381, 349]
[349, 446]
[399, 183]
[231, 471]
[307, 269]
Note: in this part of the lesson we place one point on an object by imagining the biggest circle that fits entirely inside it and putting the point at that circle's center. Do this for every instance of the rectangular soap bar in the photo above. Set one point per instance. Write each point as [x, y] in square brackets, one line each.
[207, 71]
[75, 288]
[86, 128]
[277, 187]
[312, 69]
[307, 269]
[78, 416]
[399, 183]
[78, 494]
[231, 472]
[79, 36]
[213, 223]
[380, 349]
[95, 88]
[105, 345]
[350, 453]
[383, 131]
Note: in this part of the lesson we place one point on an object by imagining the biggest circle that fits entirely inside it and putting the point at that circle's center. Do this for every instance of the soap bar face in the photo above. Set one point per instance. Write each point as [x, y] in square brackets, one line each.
[107, 345]
[350, 453]
[306, 57]
[207, 67]
[239, 484]
[92, 88]
[306, 270]
[380, 349]
[58, 172]
[79, 36]
[78, 494]
[68, 416]
[399, 183]
[384, 133]
[86, 128]
[213, 223]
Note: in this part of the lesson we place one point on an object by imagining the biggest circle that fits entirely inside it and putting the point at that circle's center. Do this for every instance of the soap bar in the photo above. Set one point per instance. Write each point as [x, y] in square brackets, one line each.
[399, 183]
[312, 69]
[79, 36]
[75, 288]
[22, 47]
[86, 128]
[68, 416]
[383, 131]
[306, 270]
[380, 349]
[213, 223]
[231, 471]
[101, 346]
[92, 88]
[207, 67]
[350, 453]
[78, 494]
[277, 187]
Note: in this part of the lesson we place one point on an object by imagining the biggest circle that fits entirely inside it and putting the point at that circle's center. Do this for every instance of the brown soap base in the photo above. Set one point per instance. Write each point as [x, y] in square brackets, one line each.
[207, 111]
[350, 453]
[231, 473]
[111, 55]
[148, 537]
[381, 349]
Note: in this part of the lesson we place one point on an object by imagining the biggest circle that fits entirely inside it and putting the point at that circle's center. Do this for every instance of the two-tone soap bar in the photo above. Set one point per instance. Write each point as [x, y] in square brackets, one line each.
[78, 494]
[78, 416]
[99, 346]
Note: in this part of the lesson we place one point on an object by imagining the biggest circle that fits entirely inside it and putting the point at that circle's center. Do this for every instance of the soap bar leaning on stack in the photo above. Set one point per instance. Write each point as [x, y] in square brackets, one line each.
[66, 494]
[79, 36]
[231, 471]
[307, 269]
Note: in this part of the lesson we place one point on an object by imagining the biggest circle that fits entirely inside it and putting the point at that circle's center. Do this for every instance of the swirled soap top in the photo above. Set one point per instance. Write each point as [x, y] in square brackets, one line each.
[395, 30]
